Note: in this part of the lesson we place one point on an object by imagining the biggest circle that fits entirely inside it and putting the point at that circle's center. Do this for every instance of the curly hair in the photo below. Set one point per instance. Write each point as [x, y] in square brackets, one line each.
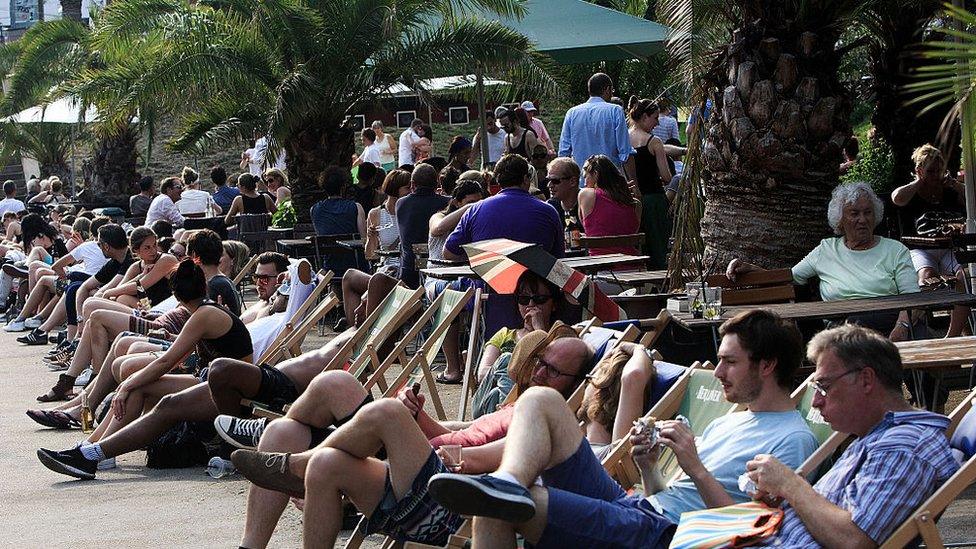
[846, 194]
[601, 405]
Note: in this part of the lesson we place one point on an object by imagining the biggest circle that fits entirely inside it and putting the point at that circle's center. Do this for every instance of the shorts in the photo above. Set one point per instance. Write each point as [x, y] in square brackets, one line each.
[320, 434]
[416, 517]
[172, 322]
[276, 389]
[589, 509]
[942, 260]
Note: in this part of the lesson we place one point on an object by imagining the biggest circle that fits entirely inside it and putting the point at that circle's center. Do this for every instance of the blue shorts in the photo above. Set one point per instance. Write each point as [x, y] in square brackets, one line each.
[587, 508]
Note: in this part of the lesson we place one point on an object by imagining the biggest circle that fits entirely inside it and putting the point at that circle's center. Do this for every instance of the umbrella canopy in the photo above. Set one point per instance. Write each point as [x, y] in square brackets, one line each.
[574, 31]
[62, 111]
[500, 262]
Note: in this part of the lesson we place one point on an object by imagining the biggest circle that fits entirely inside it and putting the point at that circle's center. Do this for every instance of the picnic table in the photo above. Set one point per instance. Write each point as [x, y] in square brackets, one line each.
[645, 281]
[587, 264]
[826, 310]
[937, 356]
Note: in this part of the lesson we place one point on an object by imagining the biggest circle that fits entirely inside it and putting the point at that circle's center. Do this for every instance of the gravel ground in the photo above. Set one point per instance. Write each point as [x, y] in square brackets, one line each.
[138, 507]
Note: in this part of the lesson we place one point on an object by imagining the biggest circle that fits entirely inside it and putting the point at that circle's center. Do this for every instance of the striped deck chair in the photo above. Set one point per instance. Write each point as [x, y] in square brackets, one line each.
[820, 460]
[291, 345]
[441, 313]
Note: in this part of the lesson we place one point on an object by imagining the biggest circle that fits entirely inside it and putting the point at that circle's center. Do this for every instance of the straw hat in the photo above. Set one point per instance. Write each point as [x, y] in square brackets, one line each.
[531, 346]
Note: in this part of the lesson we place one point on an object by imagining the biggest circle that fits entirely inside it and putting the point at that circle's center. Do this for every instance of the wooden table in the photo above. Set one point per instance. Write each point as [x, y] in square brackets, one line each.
[352, 244]
[936, 356]
[927, 242]
[645, 281]
[815, 310]
[295, 247]
[587, 264]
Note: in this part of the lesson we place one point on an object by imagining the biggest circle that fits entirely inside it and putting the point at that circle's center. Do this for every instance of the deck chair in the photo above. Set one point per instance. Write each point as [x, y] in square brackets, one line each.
[441, 313]
[293, 316]
[962, 439]
[470, 384]
[248, 268]
[829, 440]
[755, 288]
[652, 327]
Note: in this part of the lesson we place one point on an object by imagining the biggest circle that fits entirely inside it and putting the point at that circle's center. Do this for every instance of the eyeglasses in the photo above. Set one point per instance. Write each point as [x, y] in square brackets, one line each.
[538, 299]
[263, 278]
[551, 371]
[821, 386]
[556, 180]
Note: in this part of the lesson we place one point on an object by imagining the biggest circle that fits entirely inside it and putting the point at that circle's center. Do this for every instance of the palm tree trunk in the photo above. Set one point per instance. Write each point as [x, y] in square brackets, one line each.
[111, 175]
[310, 152]
[774, 144]
[70, 9]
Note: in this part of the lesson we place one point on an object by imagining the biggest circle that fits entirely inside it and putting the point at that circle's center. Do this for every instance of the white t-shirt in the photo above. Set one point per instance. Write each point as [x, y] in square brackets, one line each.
[407, 140]
[255, 165]
[496, 145]
[89, 258]
[194, 201]
[11, 205]
[371, 154]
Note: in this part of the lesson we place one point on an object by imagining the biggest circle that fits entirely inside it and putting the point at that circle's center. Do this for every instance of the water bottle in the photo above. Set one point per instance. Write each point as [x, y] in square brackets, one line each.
[219, 467]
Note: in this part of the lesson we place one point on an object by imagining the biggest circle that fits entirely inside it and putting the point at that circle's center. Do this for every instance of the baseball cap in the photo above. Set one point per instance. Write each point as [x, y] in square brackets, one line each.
[529, 106]
[501, 111]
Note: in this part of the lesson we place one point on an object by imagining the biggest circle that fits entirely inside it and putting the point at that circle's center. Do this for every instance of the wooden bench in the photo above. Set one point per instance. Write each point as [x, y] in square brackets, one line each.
[755, 288]
[635, 241]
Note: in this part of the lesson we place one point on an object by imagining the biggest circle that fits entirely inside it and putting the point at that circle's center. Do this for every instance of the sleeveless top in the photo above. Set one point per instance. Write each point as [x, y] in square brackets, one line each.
[386, 153]
[609, 218]
[235, 343]
[158, 291]
[254, 205]
[389, 236]
[648, 176]
[520, 148]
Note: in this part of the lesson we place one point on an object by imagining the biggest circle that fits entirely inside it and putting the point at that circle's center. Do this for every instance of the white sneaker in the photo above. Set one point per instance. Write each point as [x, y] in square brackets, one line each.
[84, 378]
[107, 463]
[15, 326]
[33, 322]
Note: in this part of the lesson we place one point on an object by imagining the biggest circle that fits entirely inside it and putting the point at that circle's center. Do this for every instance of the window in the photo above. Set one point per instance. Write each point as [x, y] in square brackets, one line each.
[358, 122]
[457, 115]
[404, 118]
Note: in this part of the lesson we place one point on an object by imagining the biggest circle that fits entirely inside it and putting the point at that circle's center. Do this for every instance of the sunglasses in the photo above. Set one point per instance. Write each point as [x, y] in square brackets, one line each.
[538, 299]
[264, 278]
[556, 180]
[551, 371]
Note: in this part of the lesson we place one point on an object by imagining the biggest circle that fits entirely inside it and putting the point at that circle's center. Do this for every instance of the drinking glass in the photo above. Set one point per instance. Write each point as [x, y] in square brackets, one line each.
[712, 302]
[452, 456]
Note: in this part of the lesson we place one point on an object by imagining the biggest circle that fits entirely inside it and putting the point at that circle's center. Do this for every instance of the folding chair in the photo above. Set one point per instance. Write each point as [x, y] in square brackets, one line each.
[298, 319]
[962, 439]
[248, 268]
[470, 384]
[441, 313]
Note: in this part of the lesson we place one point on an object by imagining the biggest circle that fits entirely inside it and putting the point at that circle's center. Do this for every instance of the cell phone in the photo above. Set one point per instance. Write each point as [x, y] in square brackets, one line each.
[415, 388]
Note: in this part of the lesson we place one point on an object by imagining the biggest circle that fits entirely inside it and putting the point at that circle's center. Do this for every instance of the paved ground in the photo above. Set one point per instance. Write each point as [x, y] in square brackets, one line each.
[138, 507]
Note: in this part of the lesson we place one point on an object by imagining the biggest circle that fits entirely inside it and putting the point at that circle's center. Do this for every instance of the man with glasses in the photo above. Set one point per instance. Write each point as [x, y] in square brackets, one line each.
[391, 493]
[580, 504]
[164, 205]
[598, 127]
[267, 279]
[900, 456]
[561, 177]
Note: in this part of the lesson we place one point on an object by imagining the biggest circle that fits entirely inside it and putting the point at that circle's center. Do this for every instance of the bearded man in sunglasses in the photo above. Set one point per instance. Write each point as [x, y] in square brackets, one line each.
[268, 276]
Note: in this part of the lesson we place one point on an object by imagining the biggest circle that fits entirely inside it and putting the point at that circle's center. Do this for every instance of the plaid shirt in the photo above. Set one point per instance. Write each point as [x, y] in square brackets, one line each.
[882, 477]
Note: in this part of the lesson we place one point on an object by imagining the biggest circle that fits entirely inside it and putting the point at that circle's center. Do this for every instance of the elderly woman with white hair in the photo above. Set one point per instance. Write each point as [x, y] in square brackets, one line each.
[856, 263]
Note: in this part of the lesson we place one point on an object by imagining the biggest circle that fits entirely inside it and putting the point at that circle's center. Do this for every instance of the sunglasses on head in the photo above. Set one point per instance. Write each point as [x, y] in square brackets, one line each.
[538, 299]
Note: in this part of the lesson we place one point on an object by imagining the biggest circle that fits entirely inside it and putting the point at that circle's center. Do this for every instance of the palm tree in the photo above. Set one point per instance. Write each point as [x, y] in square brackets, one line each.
[296, 70]
[49, 144]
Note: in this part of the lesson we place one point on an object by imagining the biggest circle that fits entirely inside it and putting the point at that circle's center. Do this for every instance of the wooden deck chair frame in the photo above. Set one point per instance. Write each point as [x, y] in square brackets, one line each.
[246, 270]
[921, 523]
[469, 384]
[419, 360]
[275, 348]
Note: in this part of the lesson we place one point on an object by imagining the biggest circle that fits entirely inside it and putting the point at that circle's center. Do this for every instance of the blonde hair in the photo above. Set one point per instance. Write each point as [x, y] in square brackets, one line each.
[926, 155]
[239, 254]
[275, 172]
[601, 405]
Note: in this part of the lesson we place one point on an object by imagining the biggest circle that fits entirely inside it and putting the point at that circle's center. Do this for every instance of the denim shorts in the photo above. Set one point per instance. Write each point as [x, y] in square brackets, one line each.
[588, 509]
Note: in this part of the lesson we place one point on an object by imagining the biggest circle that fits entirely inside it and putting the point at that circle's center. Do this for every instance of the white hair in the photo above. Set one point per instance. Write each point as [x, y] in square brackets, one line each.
[376, 124]
[846, 194]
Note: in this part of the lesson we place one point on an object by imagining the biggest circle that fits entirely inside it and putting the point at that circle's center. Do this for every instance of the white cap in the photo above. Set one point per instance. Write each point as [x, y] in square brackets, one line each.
[528, 106]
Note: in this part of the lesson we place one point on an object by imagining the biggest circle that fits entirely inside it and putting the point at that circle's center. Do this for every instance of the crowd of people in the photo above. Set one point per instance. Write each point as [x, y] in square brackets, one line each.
[160, 346]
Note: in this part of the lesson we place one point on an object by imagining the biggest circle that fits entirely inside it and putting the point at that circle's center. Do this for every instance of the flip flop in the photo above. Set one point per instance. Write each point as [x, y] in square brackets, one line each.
[56, 419]
[445, 381]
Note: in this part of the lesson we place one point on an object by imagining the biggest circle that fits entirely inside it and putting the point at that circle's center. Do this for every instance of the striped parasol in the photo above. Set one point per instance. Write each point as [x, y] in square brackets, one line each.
[500, 262]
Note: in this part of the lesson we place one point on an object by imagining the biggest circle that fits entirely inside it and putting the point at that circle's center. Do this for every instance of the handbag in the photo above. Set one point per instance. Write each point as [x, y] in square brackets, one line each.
[935, 223]
[739, 525]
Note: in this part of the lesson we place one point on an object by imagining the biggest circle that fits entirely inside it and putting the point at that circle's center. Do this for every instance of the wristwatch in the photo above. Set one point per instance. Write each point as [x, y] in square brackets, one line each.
[140, 291]
[648, 352]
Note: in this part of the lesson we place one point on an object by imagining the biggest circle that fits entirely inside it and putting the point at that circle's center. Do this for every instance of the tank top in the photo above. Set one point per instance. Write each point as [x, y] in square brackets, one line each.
[234, 343]
[389, 236]
[383, 147]
[158, 291]
[255, 205]
[648, 176]
[520, 148]
[609, 218]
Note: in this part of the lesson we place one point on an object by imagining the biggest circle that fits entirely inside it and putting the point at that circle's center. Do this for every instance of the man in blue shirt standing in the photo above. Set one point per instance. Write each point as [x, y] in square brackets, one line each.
[598, 127]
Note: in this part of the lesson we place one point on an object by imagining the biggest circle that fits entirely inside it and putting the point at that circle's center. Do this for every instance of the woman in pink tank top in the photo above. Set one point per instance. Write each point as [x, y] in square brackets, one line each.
[606, 205]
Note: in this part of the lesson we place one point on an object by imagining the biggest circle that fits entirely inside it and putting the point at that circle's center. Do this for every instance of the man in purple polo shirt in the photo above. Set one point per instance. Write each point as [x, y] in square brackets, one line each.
[513, 213]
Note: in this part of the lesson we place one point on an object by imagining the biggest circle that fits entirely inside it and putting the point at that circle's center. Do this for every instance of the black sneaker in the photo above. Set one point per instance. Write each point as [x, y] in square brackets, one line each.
[15, 271]
[240, 433]
[482, 496]
[34, 337]
[69, 462]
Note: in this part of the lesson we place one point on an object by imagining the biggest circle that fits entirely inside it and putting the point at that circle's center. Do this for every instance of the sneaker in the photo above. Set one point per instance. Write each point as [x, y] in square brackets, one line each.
[34, 322]
[84, 378]
[16, 271]
[106, 464]
[240, 433]
[15, 325]
[482, 496]
[34, 337]
[269, 470]
[59, 366]
[68, 462]
[59, 348]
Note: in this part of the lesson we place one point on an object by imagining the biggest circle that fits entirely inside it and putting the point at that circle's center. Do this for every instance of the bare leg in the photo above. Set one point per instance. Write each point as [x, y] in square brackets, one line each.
[354, 285]
[56, 317]
[145, 396]
[103, 326]
[40, 290]
[543, 434]
[302, 369]
[330, 396]
[452, 351]
[960, 313]
[231, 380]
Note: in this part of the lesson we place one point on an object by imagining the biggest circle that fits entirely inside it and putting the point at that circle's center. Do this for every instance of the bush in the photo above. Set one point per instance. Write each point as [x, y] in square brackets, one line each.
[285, 216]
[875, 165]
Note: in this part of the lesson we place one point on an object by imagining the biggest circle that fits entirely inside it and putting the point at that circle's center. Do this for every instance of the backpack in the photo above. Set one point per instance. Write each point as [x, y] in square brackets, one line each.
[181, 446]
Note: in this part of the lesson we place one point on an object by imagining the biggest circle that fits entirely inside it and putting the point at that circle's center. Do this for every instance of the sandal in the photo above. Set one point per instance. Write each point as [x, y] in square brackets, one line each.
[56, 419]
[444, 380]
[61, 391]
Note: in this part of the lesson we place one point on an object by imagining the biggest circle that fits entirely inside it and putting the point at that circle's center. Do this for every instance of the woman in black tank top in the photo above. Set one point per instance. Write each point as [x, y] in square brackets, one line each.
[249, 201]
[653, 173]
[516, 124]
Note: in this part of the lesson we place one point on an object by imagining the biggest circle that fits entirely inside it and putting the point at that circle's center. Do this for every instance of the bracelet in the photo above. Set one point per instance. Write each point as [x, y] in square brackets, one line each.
[905, 325]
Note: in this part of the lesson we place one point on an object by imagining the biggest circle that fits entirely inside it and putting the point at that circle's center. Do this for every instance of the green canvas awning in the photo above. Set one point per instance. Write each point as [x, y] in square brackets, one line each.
[574, 31]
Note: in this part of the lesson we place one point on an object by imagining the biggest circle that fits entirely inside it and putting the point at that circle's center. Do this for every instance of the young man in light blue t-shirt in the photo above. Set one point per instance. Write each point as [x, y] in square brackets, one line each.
[758, 357]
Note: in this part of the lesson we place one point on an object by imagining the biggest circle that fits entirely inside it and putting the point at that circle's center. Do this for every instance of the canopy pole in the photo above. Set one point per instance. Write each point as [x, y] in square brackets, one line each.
[74, 191]
[966, 121]
[480, 88]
